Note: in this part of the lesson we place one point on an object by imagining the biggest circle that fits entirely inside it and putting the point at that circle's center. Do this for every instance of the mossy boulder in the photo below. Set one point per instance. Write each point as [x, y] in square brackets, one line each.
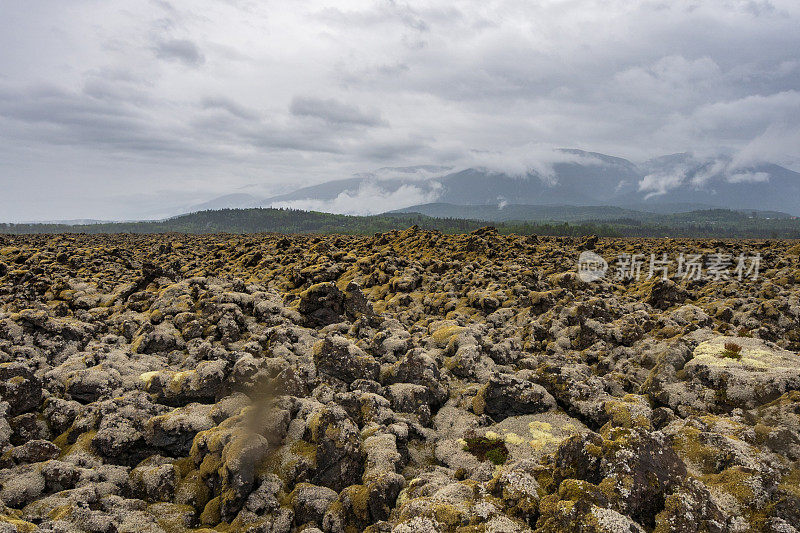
[338, 357]
[19, 387]
[174, 432]
[338, 458]
[154, 479]
[507, 395]
[634, 469]
[310, 503]
[760, 373]
[206, 382]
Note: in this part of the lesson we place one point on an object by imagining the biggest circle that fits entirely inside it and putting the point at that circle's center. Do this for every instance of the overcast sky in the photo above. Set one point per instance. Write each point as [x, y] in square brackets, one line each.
[114, 110]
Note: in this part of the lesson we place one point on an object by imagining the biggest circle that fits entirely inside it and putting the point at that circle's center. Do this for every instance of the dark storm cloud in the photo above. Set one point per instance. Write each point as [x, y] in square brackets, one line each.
[181, 50]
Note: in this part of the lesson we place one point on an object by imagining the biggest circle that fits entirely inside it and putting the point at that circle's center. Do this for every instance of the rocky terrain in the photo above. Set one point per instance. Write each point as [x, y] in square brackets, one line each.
[406, 382]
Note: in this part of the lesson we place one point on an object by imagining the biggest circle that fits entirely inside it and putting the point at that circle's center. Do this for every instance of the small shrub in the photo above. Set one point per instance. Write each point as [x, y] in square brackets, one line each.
[744, 332]
[484, 449]
[732, 351]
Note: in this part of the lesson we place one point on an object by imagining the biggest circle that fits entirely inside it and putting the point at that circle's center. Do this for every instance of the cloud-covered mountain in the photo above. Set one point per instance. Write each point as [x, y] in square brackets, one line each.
[719, 181]
[230, 201]
[373, 192]
[688, 213]
[666, 184]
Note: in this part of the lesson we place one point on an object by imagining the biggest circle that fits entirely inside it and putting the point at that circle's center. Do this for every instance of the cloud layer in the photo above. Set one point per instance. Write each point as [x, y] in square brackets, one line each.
[121, 110]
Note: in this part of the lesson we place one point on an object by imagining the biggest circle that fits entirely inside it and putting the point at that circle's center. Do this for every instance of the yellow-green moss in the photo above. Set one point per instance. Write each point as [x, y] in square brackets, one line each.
[734, 481]
[21, 526]
[211, 514]
[359, 496]
[443, 335]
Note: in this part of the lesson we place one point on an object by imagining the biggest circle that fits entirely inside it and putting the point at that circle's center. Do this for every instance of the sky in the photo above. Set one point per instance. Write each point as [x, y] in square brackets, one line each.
[119, 110]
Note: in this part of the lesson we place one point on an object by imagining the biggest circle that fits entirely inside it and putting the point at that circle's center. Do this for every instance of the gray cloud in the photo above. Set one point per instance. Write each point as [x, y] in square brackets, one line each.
[182, 50]
[291, 94]
[748, 177]
[368, 199]
[47, 114]
[333, 111]
[225, 104]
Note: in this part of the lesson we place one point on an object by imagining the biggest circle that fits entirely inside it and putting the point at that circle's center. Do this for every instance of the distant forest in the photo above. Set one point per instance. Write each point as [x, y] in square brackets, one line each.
[711, 223]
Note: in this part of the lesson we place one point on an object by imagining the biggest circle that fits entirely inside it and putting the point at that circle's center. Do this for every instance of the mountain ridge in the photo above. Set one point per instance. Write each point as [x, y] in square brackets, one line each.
[561, 213]
[579, 178]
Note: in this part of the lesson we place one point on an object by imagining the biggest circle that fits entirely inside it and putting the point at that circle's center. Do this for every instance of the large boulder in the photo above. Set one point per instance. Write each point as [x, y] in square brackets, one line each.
[174, 432]
[631, 471]
[19, 387]
[338, 458]
[506, 395]
[760, 372]
[323, 304]
[154, 479]
[156, 339]
[206, 382]
[336, 356]
[664, 293]
[310, 502]
[34, 451]
[718, 380]
[226, 457]
[419, 368]
[91, 384]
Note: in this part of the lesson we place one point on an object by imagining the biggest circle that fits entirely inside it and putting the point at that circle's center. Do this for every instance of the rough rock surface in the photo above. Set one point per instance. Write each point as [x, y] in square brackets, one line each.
[406, 382]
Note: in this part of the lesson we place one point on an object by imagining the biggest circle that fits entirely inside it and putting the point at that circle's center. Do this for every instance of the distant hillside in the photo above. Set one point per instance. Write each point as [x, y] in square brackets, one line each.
[256, 220]
[709, 223]
[573, 213]
[494, 213]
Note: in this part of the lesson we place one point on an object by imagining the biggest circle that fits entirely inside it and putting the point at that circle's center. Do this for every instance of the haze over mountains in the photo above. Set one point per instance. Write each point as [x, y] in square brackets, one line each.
[668, 184]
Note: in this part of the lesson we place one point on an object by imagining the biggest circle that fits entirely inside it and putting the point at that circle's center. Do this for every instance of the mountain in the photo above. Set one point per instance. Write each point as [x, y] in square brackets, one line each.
[585, 178]
[668, 184]
[481, 186]
[580, 214]
[324, 191]
[386, 180]
[494, 213]
[229, 201]
[683, 178]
